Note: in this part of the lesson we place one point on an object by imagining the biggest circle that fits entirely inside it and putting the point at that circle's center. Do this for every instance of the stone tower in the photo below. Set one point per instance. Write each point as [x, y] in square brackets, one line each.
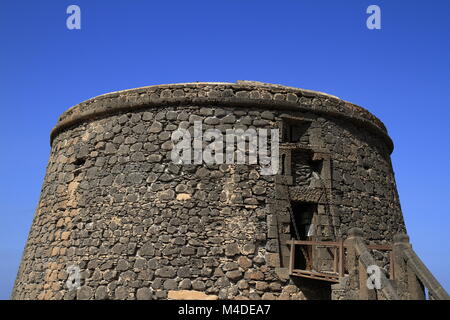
[134, 224]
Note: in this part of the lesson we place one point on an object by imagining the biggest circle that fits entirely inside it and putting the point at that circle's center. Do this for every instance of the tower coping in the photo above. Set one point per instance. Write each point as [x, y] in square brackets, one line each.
[242, 94]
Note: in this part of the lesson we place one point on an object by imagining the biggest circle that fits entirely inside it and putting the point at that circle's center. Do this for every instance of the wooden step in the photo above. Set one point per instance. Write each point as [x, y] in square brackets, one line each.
[331, 277]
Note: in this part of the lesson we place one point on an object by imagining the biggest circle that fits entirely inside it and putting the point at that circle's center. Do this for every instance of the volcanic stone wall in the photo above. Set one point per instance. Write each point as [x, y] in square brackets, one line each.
[139, 226]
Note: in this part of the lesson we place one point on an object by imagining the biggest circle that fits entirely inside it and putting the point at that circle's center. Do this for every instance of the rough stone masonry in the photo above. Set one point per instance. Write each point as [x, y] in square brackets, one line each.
[138, 226]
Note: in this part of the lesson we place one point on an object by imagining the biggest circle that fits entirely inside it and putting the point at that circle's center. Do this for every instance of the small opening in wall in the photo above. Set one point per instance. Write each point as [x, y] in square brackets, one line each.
[79, 161]
[317, 166]
[295, 131]
[366, 165]
[302, 228]
[305, 169]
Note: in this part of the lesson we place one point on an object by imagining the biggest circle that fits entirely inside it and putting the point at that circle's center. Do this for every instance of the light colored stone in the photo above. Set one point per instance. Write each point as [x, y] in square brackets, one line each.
[65, 235]
[272, 259]
[190, 295]
[183, 196]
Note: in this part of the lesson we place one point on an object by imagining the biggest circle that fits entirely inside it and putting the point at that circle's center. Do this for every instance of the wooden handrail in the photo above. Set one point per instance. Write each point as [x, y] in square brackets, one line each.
[315, 243]
[381, 247]
[338, 263]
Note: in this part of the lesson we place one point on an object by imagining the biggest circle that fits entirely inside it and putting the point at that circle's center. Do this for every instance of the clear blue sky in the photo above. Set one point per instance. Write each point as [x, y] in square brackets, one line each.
[400, 73]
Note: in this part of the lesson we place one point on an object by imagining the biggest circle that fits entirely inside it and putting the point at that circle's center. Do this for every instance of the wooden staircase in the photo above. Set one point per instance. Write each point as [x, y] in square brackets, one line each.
[406, 277]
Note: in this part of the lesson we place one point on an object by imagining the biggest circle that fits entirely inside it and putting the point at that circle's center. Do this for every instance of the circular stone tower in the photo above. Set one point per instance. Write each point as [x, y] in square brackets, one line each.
[119, 218]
